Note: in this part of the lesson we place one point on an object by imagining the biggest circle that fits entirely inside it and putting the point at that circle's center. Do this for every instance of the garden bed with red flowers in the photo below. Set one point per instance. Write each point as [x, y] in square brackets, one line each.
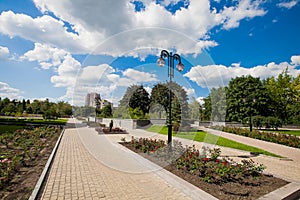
[23, 155]
[218, 176]
[115, 130]
[279, 138]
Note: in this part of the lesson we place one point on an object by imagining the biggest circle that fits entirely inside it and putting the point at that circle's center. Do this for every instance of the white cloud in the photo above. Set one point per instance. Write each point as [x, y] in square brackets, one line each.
[295, 60]
[96, 30]
[287, 5]
[213, 76]
[245, 9]
[44, 29]
[67, 73]
[46, 55]
[4, 53]
[7, 91]
[111, 84]
[139, 76]
[189, 91]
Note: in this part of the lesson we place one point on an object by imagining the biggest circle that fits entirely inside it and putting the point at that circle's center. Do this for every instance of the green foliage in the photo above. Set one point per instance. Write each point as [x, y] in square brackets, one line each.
[218, 104]
[201, 136]
[195, 110]
[23, 108]
[105, 112]
[160, 94]
[246, 96]
[140, 99]
[277, 97]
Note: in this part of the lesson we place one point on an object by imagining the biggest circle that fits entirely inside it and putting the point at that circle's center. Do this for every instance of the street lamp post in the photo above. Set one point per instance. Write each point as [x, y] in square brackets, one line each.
[161, 62]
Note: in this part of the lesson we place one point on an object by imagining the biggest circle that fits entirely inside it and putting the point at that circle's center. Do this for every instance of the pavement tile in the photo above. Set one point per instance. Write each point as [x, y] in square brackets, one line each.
[76, 174]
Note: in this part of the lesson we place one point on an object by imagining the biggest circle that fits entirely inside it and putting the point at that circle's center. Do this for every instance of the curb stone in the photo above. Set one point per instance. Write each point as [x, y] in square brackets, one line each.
[290, 191]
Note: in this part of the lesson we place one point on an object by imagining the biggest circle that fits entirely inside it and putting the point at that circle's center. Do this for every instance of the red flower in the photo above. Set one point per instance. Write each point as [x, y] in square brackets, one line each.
[206, 159]
[224, 163]
[217, 161]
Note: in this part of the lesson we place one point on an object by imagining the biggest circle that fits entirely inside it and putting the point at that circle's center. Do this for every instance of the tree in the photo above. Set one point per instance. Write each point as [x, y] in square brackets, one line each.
[106, 112]
[246, 96]
[282, 97]
[124, 102]
[194, 109]
[140, 100]
[161, 95]
[218, 104]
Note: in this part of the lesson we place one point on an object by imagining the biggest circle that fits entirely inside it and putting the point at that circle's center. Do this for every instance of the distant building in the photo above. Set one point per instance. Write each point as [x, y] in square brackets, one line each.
[90, 99]
[94, 100]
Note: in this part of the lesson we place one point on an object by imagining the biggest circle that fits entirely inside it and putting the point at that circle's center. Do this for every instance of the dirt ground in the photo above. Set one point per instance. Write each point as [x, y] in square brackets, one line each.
[26, 178]
[250, 189]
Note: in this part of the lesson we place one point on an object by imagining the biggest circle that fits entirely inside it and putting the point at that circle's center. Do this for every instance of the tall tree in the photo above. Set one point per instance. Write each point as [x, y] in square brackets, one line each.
[246, 96]
[124, 102]
[281, 94]
[218, 104]
[140, 100]
[160, 95]
[194, 109]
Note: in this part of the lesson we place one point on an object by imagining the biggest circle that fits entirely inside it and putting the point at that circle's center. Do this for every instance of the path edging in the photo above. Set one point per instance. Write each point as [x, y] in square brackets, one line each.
[42, 178]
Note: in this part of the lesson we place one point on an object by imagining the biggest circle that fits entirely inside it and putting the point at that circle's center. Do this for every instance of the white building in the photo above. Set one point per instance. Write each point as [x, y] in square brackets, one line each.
[90, 99]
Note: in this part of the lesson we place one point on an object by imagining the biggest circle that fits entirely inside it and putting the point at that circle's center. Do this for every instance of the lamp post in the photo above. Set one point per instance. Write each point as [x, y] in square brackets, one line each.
[161, 62]
[250, 122]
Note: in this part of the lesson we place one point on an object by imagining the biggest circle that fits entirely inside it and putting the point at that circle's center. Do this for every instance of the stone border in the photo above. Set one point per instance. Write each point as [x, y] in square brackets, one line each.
[290, 191]
[42, 178]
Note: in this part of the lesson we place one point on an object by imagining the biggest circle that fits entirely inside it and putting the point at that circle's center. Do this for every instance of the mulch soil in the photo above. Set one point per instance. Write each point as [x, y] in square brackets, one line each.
[26, 178]
[248, 189]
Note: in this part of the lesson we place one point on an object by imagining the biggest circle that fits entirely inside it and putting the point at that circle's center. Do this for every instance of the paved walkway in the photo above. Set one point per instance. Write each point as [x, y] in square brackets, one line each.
[92, 166]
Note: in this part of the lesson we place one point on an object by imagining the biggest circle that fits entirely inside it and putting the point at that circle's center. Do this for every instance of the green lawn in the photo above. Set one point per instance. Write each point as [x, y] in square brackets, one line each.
[290, 132]
[210, 139]
[9, 128]
[24, 121]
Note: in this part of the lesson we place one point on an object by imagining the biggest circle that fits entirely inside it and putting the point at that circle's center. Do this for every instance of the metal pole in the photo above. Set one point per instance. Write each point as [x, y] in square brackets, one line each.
[171, 67]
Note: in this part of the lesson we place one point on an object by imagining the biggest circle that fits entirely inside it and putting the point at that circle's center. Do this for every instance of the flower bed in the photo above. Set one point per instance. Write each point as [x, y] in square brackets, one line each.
[114, 130]
[219, 176]
[279, 138]
[22, 159]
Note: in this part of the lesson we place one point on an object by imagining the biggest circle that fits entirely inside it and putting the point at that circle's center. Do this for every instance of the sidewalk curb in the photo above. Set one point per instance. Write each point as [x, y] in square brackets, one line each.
[290, 191]
[42, 178]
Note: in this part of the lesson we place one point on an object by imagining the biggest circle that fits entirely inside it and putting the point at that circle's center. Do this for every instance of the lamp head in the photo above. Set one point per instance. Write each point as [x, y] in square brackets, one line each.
[180, 67]
[160, 62]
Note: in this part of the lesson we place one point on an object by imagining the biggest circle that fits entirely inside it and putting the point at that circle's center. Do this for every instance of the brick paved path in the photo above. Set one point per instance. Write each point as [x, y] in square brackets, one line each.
[76, 174]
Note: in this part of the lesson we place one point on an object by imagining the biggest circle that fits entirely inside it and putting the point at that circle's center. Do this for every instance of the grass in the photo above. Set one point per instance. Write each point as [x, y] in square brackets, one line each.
[10, 128]
[24, 121]
[202, 136]
[289, 132]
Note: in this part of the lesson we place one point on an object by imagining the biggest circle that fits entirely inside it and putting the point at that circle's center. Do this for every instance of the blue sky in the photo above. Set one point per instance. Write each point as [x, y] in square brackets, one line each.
[62, 50]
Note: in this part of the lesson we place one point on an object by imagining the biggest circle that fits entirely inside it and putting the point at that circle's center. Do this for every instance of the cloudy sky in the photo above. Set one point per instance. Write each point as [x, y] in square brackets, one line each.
[62, 50]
